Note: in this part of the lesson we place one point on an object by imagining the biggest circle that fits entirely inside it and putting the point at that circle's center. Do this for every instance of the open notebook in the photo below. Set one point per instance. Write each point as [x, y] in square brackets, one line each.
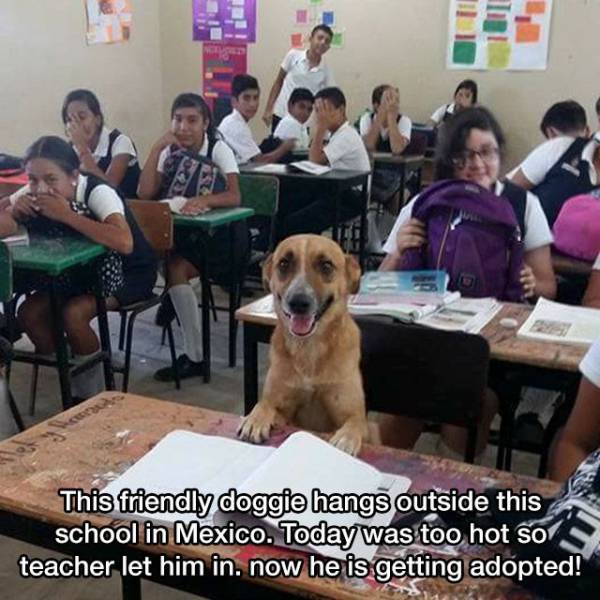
[304, 462]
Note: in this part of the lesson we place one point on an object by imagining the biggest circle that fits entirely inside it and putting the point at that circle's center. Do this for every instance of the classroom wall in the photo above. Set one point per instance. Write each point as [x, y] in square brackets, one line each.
[44, 55]
[404, 42]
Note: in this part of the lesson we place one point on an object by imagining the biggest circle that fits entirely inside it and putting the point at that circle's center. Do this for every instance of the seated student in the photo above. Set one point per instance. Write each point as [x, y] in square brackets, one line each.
[195, 170]
[562, 167]
[465, 96]
[565, 118]
[315, 212]
[107, 154]
[581, 435]
[61, 200]
[471, 150]
[8, 226]
[592, 294]
[294, 125]
[245, 96]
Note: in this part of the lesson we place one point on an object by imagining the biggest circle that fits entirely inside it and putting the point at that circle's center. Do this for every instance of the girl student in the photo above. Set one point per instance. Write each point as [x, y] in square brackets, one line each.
[194, 170]
[105, 153]
[470, 149]
[61, 200]
[465, 96]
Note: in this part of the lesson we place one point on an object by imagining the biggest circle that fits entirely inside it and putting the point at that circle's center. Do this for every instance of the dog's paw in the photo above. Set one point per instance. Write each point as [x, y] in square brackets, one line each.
[256, 427]
[347, 441]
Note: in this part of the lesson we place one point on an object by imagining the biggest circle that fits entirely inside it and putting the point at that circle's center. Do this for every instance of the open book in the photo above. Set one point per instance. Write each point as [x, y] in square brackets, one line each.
[310, 167]
[555, 322]
[401, 282]
[211, 464]
[271, 168]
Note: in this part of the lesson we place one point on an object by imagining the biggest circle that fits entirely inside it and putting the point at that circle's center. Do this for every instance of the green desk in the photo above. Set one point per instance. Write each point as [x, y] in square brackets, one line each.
[53, 257]
[219, 217]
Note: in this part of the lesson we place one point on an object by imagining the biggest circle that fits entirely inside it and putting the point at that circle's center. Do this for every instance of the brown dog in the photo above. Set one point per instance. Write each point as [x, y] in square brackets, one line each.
[314, 379]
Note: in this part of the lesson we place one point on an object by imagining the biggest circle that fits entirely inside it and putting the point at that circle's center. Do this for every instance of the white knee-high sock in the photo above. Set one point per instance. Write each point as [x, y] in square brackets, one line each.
[186, 306]
[90, 382]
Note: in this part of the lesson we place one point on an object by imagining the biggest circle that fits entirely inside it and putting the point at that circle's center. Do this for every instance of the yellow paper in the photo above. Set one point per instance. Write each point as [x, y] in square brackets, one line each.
[499, 55]
[465, 25]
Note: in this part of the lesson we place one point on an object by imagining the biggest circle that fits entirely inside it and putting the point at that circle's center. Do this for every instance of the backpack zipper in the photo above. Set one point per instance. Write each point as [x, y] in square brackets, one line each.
[448, 226]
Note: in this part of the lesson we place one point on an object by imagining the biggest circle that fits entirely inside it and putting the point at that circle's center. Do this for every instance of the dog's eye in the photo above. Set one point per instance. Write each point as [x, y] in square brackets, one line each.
[283, 265]
[327, 267]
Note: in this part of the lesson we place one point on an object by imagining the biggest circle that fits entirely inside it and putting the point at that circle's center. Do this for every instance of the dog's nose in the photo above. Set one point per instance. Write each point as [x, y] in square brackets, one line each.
[300, 304]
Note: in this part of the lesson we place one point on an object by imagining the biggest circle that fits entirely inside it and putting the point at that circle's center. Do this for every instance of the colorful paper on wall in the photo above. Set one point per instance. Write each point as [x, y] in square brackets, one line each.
[499, 34]
[338, 39]
[220, 63]
[224, 20]
[302, 17]
[328, 18]
[108, 21]
[297, 40]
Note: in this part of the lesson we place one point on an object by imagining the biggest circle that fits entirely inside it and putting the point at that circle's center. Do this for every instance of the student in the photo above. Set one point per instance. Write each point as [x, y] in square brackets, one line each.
[565, 118]
[293, 125]
[61, 200]
[592, 294]
[581, 435]
[471, 150]
[8, 226]
[560, 168]
[465, 96]
[107, 154]
[195, 170]
[345, 150]
[300, 69]
[245, 96]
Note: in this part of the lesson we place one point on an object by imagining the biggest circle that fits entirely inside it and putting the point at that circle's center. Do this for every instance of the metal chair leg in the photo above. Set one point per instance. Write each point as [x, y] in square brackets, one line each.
[169, 329]
[213, 307]
[33, 389]
[122, 330]
[128, 345]
[14, 410]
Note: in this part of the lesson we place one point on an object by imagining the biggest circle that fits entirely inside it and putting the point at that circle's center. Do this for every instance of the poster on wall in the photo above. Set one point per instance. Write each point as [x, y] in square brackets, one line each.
[225, 21]
[108, 21]
[220, 63]
[499, 34]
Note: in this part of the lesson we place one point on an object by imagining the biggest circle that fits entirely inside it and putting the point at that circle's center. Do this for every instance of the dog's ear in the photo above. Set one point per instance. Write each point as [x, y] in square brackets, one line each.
[267, 272]
[352, 274]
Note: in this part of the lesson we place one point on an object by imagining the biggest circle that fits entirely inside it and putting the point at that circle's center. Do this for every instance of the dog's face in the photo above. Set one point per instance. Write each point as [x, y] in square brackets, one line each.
[310, 279]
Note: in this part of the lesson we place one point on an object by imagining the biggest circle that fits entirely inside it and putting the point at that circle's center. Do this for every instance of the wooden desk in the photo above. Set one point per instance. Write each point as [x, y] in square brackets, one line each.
[341, 180]
[52, 257]
[207, 222]
[403, 164]
[58, 454]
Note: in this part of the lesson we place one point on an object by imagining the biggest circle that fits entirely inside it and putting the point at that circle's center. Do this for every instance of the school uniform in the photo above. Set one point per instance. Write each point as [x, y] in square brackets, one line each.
[299, 74]
[443, 113]
[345, 151]
[289, 128]
[404, 125]
[559, 169]
[237, 134]
[536, 230]
[590, 365]
[597, 264]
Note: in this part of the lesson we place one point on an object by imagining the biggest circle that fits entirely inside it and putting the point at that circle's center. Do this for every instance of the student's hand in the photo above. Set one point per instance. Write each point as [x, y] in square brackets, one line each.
[267, 117]
[411, 235]
[528, 281]
[393, 104]
[76, 134]
[168, 139]
[54, 206]
[382, 113]
[325, 114]
[24, 208]
[195, 206]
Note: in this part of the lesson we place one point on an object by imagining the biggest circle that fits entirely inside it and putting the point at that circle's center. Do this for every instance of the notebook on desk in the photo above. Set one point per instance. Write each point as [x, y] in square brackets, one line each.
[214, 465]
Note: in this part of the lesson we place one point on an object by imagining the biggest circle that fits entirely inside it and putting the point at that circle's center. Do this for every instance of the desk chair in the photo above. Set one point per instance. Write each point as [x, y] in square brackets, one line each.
[427, 374]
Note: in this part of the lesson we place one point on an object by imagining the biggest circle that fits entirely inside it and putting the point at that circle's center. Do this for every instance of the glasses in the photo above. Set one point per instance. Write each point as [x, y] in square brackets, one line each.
[489, 154]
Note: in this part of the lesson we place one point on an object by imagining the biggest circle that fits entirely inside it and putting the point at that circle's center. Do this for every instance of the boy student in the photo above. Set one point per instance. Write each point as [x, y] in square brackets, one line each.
[565, 118]
[560, 168]
[293, 125]
[234, 127]
[345, 151]
[465, 96]
[300, 68]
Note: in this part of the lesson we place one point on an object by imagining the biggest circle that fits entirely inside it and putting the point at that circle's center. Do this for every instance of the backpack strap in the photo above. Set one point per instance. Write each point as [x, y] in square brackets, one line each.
[571, 155]
[211, 145]
[92, 183]
[517, 197]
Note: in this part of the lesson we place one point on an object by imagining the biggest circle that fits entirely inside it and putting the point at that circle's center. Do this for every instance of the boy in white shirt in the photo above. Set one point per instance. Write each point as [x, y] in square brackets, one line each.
[345, 151]
[294, 125]
[245, 96]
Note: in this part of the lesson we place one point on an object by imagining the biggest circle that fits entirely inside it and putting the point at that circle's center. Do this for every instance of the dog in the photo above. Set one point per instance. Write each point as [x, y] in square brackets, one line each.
[314, 379]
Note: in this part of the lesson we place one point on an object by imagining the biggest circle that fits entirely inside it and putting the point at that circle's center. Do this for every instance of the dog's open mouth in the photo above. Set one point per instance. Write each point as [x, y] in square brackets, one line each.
[302, 325]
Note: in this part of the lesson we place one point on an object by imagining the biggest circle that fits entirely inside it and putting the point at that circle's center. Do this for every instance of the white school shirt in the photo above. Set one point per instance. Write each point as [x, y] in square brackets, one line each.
[541, 160]
[537, 231]
[121, 145]
[238, 136]
[346, 150]
[299, 74]
[290, 128]
[103, 200]
[597, 264]
[590, 365]
[438, 114]
[404, 126]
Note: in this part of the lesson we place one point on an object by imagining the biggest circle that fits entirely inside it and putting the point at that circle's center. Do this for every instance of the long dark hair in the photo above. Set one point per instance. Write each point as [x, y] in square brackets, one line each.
[190, 100]
[467, 84]
[87, 97]
[454, 135]
[53, 148]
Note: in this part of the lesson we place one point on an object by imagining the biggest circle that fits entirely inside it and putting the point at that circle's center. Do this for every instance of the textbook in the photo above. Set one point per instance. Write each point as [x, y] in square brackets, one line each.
[555, 322]
[398, 282]
[183, 460]
[271, 168]
[21, 238]
[310, 167]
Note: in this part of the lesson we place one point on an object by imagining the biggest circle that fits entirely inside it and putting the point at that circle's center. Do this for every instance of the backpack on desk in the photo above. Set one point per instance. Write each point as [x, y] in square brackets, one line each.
[577, 227]
[474, 235]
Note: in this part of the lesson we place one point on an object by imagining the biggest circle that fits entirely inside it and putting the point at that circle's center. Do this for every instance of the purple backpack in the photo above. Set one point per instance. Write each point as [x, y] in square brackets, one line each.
[473, 235]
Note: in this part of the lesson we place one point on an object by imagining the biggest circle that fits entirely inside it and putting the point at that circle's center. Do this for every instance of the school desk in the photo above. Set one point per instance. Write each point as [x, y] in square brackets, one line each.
[207, 222]
[340, 180]
[52, 257]
[405, 165]
[58, 454]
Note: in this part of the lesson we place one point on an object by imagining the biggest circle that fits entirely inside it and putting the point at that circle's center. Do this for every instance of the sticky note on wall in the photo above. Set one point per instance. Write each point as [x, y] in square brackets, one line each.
[328, 18]
[338, 40]
[297, 40]
[465, 25]
[499, 54]
[535, 8]
[528, 33]
[495, 26]
[301, 17]
[464, 52]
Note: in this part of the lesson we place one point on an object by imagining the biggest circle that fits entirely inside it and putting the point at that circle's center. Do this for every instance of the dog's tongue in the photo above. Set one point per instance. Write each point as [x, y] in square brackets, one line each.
[301, 324]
